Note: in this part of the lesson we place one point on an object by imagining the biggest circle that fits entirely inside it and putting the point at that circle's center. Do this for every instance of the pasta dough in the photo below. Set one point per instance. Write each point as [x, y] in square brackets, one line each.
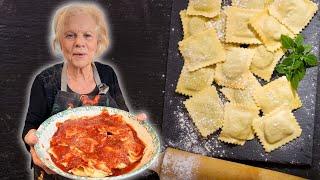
[249, 4]
[275, 94]
[201, 50]
[190, 83]
[264, 62]
[237, 28]
[234, 71]
[237, 124]
[219, 24]
[269, 30]
[206, 110]
[276, 128]
[207, 8]
[192, 24]
[294, 14]
[243, 97]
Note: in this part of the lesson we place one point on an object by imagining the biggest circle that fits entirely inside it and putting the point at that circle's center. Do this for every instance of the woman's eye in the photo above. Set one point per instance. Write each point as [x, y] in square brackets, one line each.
[88, 36]
[69, 36]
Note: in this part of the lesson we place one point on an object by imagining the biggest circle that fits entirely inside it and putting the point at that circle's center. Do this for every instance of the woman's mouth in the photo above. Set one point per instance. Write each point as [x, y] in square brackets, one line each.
[79, 54]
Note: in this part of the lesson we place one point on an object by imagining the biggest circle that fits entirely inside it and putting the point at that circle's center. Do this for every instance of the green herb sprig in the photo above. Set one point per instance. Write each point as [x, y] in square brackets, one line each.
[296, 60]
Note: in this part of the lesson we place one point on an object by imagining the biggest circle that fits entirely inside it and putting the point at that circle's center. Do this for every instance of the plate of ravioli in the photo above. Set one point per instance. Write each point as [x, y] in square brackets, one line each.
[95, 142]
[228, 100]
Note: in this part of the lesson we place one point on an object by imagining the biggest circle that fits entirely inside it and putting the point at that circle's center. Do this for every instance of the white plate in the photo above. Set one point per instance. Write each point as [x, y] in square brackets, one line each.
[144, 131]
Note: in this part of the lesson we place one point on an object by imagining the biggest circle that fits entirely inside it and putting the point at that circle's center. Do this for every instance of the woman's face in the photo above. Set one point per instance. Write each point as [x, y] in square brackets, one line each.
[79, 40]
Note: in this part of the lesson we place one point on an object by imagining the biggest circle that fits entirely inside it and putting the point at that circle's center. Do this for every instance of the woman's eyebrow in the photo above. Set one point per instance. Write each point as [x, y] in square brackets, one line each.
[88, 32]
[69, 32]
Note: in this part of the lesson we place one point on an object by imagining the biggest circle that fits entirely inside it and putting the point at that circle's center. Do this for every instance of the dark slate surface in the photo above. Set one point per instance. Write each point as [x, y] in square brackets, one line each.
[180, 132]
[140, 34]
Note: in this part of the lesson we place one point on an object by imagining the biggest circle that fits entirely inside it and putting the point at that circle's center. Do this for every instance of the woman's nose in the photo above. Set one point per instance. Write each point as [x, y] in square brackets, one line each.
[79, 42]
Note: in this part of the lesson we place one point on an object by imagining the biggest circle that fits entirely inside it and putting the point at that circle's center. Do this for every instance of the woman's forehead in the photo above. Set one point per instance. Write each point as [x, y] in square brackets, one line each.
[80, 22]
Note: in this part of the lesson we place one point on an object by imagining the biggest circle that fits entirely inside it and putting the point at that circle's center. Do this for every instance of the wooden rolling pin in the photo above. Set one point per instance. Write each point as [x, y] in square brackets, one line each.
[179, 164]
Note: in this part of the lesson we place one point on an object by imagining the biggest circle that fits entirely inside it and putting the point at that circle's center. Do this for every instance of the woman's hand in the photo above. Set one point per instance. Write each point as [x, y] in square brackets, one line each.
[31, 139]
[141, 117]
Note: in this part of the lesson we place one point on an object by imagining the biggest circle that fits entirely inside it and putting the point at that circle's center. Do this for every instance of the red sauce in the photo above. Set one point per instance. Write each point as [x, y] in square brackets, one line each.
[102, 139]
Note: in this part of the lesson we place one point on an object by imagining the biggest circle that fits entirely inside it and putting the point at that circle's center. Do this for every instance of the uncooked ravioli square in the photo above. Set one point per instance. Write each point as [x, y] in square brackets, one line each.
[207, 8]
[201, 50]
[276, 128]
[294, 14]
[237, 27]
[206, 110]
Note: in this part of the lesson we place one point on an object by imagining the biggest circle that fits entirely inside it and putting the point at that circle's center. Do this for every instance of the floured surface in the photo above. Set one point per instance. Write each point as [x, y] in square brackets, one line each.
[180, 132]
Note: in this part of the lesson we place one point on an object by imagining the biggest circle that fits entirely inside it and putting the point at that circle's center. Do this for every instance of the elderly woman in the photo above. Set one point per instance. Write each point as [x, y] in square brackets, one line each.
[80, 34]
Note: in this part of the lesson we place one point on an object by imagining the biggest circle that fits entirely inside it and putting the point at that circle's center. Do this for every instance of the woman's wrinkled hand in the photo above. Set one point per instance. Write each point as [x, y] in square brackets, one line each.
[141, 117]
[31, 139]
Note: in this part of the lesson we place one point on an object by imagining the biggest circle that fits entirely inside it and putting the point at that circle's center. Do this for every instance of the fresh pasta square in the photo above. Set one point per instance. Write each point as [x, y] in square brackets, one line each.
[276, 128]
[237, 124]
[243, 96]
[206, 110]
[201, 50]
[234, 72]
[207, 8]
[275, 94]
[190, 83]
[237, 27]
[294, 14]
[250, 4]
[192, 24]
[264, 62]
[269, 30]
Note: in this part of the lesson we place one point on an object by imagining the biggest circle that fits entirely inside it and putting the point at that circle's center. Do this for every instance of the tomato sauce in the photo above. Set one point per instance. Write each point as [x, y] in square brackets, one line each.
[104, 142]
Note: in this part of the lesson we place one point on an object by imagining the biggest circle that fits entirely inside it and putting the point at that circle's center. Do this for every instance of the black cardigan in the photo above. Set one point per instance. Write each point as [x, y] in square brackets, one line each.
[46, 85]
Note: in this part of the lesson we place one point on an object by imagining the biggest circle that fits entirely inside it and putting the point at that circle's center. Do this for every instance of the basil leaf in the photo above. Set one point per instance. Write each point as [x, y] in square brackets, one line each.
[281, 69]
[289, 75]
[299, 40]
[288, 61]
[300, 49]
[287, 42]
[300, 73]
[295, 56]
[310, 59]
[307, 48]
[297, 64]
[297, 59]
[294, 82]
[297, 77]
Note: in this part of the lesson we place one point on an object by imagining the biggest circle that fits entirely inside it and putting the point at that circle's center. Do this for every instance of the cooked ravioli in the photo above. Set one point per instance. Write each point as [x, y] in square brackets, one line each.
[275, 94]
[294, 14]
[237, 124]
[190, 83]
[269, 30]
[264, 62]
[237, 27]
[201, 50]
[206, 110]
[100, 145]
[207, 8]
[90, 172]
[243, 96]
[276, 128]
[192, 24]
[234, 71]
